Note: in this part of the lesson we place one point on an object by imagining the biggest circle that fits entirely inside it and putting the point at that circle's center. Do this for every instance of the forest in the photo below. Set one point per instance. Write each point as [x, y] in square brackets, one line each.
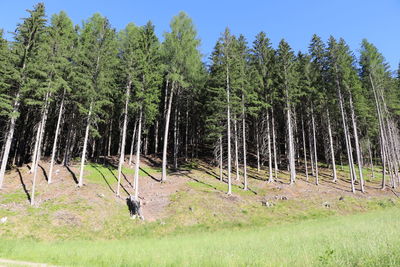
[239, 158]
[87, 92]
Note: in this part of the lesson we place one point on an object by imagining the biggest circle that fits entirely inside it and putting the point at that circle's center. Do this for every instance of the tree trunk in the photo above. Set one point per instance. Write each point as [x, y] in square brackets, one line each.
[137, 162]
[109, 138]
[236, 149]
[345, 129]
[304, 148]
[270, 176]
[80, 183]
[371, 161]
[315, 146]
[331, 147]
[41, 129]
[220, 159]
[186, 129]
[258, 148]
[228, 115]
[132, 144]
[310, 143]
[358, 152]
[274, 144]
[124, 127]
[176, 139]
[156, 138]
[165, 146]
[291, 155]
[53, 153]
[244, 145]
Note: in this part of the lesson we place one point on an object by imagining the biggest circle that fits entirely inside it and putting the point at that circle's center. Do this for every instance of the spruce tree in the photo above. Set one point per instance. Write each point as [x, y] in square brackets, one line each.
[182, 57]
[24, 48]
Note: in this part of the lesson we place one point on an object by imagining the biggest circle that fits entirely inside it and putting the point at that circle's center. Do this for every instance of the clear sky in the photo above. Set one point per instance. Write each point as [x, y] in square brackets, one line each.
[294, 20]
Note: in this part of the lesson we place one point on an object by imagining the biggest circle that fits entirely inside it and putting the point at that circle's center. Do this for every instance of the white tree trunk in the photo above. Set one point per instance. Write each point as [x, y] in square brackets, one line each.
[258, 148]
[53, 153]
[348, 143]
[291, 155]
[41, 129]
[80, 183]
[244, 145]
[220, 159]
[109, 139]
[156, 138]
[137, 162]
[132, 144]
[165, 141]
[228, 115]
[274, 144]
[304, 148]
[270, 176]
[124, 127]
[236, 149]
[315, 146]
[358, 152]
[331, 147]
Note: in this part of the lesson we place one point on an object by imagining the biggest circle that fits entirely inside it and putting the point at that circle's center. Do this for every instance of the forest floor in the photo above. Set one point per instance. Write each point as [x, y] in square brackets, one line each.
[192, 200]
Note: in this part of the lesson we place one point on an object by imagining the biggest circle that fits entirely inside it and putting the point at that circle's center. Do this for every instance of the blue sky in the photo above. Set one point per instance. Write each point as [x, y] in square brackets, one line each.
[294, 20]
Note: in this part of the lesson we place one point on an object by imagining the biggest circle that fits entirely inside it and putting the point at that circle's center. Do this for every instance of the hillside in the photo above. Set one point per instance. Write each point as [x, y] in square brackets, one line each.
[192, 199]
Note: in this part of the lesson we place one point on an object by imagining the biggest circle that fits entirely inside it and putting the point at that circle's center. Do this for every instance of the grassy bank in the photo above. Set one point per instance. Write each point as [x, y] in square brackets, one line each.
[369, 239]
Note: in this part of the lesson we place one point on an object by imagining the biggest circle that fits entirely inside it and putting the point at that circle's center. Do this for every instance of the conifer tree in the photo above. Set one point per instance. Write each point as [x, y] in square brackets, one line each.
[96, 59]
[25, 47]
[288, 85]
[62, 38]
[182, 58]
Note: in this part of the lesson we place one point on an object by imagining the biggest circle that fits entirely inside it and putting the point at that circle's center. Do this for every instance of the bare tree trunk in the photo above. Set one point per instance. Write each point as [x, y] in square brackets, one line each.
[315, 145]
[244, 145]
[124, 127]
[39, 136]
[228, 114]
[109, 138]
[331, 147]
[156, 138]
[348, 143]
[132, 144]
[167, 119]
[310, 143]
[291, 155]
[270, 176]
[258, 148]
[137, 163]
[220, 159]
[274, 144]
[80, 183]
[186, 129]
[41, 129]
[176, 140]
[304, 148]
[371, 161]
[236, 148]
[358, 152]
[53, 153]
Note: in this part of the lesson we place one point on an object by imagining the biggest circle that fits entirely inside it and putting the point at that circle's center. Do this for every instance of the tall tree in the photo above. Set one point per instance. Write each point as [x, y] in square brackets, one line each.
[180, 52]
[97, 56]
[25, 47]
[288, 86]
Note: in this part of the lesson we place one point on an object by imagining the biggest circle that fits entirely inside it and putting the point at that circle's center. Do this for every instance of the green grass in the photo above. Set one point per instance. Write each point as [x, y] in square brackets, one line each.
[98, 173]
[369, 239]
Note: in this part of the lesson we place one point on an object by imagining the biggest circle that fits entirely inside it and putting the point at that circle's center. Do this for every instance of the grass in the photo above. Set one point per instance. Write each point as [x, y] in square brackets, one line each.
[99, 174]
[369, 239]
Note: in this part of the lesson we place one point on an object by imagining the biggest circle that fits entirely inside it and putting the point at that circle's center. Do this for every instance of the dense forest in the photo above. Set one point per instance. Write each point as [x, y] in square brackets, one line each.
[87, 92]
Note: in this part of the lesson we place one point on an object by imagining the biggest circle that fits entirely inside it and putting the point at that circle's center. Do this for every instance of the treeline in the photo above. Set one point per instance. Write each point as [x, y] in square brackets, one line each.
[89, 92]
